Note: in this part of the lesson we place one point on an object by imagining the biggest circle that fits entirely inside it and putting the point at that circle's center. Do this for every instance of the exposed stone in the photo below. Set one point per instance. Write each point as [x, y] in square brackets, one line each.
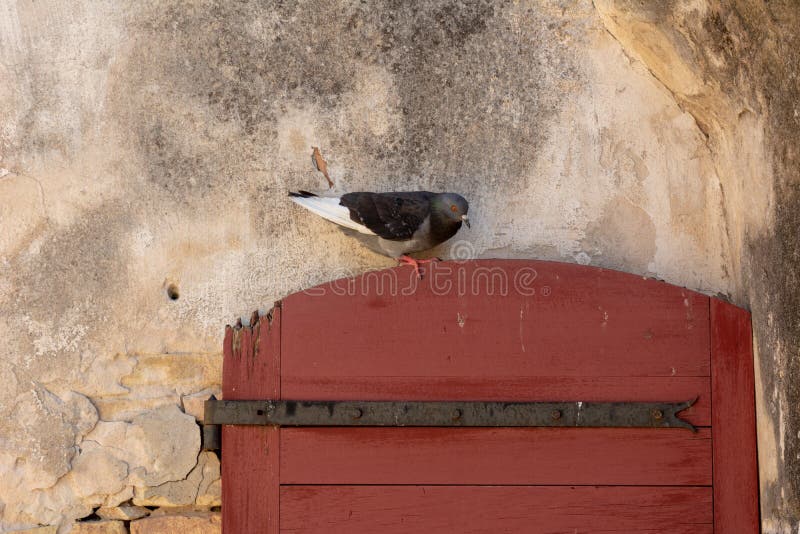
[194, 404]
[36, 530]
[209, 491]
[155, 374]
[156, 380]
[125, 495]
[97, 472]
[211, 495]
[178, 510]
[200, 487]
[99, 527]
[37, 456]
[49, 429]
[125, 408]
[185, 523]
[124, 512]
[158, 446]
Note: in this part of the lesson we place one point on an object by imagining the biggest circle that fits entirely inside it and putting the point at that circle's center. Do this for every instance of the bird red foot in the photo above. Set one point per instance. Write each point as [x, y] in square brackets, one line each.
[408, 260]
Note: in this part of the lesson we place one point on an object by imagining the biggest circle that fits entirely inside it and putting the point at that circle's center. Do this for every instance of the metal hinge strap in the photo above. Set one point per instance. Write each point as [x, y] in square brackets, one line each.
[447, 413]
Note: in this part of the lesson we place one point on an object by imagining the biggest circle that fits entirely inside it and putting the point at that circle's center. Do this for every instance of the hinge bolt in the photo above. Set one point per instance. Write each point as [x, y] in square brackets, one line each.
[457, 414]
[658, 415]
[357, 413]
[556, 415]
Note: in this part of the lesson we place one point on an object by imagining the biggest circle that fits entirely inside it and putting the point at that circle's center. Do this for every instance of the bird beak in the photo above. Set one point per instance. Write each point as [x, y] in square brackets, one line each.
[466, 220]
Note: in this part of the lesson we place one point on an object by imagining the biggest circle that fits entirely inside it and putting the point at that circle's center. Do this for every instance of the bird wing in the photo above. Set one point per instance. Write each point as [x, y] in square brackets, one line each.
[329, 208]
[393, 216]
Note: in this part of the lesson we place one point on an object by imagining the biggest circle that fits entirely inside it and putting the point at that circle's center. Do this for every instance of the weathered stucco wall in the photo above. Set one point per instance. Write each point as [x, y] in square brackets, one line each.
[149, 144]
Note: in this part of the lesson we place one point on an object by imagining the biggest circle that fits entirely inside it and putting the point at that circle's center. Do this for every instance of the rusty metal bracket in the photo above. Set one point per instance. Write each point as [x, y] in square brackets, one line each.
[210, 437]
[447, 414]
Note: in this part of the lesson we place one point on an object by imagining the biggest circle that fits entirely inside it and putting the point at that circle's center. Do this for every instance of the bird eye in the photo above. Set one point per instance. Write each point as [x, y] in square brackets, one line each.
[453, 208]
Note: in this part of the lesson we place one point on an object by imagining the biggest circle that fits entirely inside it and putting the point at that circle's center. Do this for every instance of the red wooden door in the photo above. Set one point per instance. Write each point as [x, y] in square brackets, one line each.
[495, 330]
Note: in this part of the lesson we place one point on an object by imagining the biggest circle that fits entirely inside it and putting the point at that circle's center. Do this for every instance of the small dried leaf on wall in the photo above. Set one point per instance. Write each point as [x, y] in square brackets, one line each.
[320, 164]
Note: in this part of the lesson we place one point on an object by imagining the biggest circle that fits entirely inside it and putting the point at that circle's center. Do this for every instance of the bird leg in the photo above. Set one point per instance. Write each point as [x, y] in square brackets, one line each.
[408, 260]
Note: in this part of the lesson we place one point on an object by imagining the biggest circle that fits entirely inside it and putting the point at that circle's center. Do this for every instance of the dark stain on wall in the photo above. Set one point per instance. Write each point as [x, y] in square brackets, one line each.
[475, 86]
[775, 259]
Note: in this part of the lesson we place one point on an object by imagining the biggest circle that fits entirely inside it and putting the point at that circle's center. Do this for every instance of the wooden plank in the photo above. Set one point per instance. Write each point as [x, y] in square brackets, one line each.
[250, 478]
[251, 459]
[481, 509]
[497, 318]
[545, 456]
[251, 359]
[599, 389]
[734, 428]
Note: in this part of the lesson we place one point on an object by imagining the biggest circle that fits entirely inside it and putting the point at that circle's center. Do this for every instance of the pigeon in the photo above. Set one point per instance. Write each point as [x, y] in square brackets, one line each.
[393, 224]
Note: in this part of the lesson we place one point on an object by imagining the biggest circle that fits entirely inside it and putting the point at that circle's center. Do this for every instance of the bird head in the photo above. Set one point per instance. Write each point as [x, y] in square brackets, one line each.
[453, 206]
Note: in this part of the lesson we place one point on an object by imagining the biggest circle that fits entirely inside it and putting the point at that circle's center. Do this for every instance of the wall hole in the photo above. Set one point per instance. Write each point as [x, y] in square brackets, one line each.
[172, 292]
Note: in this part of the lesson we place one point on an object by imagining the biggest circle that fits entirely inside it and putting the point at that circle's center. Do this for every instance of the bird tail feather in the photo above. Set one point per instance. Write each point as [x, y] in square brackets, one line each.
[328, 208]
[302, 194]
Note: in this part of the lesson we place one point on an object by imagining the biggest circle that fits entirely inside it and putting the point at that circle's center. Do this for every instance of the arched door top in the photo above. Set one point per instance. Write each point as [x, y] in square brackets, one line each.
[495, 330]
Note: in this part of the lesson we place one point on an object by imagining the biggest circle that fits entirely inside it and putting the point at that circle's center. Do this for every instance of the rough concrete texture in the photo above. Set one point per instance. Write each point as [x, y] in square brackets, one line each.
[146, 148]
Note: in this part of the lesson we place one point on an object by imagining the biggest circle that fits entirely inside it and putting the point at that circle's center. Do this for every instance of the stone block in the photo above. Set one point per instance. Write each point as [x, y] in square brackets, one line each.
[158, 446]
[99, 527]
[202, 484]
[181, 373]
[194, 404]
[124, 512]
[184, 523]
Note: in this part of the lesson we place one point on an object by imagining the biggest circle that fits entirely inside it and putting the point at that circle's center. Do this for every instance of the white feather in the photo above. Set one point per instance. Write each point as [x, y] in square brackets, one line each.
[329, 208]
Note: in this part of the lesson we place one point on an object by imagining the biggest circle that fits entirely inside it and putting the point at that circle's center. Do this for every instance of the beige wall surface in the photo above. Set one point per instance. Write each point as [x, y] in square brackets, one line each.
[147, 144]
